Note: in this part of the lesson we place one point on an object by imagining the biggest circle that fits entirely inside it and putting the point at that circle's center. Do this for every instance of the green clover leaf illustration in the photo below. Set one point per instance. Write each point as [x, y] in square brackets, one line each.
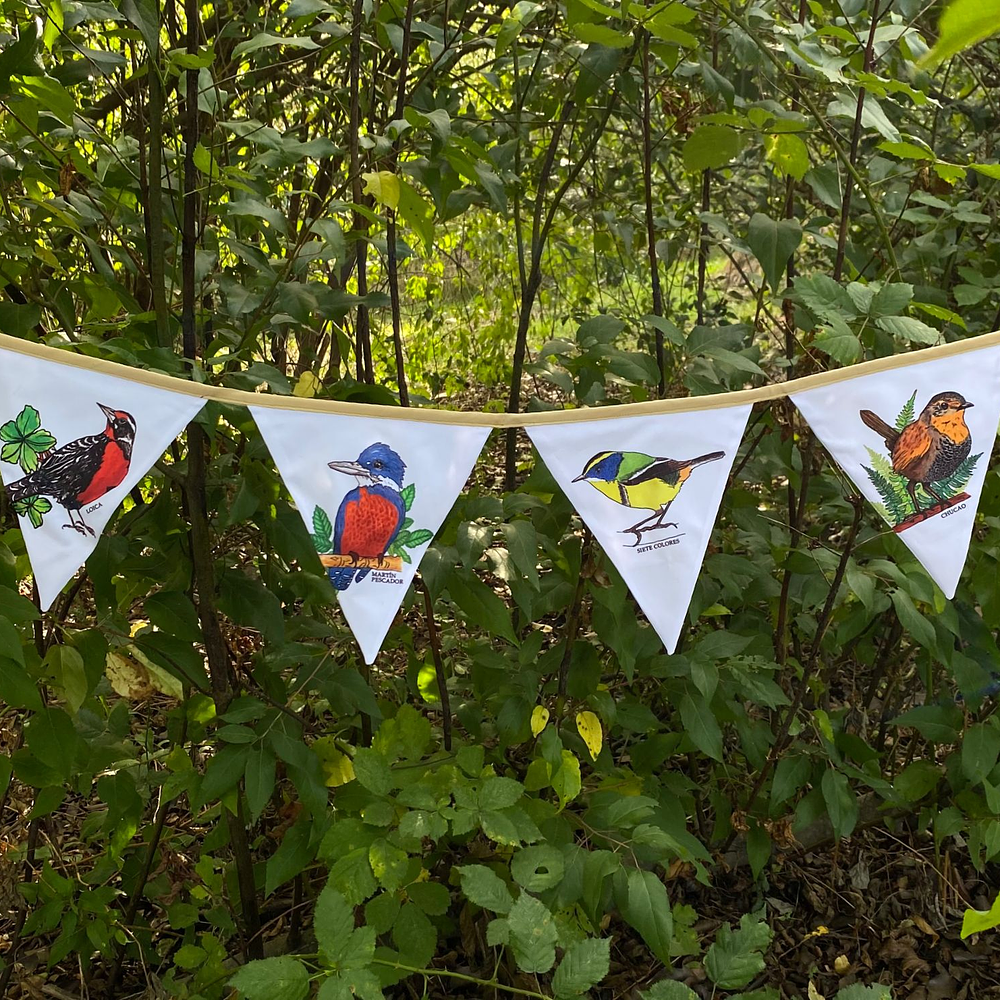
[25, 440]
[33, 508]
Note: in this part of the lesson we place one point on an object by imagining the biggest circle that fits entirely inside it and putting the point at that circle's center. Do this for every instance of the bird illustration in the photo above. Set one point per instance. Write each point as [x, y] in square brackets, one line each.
[930, 448]
[79, 473]
[634, 479]
[371, 515]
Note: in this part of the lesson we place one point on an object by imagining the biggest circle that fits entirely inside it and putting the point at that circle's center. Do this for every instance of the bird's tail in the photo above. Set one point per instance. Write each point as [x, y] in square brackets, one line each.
[879, 426]
[712, 456]
[22, 488]
[341, 577]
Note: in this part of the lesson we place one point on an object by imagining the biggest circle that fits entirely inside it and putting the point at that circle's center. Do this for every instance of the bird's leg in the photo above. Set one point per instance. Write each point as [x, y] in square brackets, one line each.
[77, 526]
[639, 530]
[912, 489]
[933, 493]
[661, 523]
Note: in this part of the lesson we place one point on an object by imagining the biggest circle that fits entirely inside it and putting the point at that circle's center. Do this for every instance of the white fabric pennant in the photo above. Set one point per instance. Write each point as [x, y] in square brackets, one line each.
[916, 441]
[373, 493]
[73, 443]
[649, 488]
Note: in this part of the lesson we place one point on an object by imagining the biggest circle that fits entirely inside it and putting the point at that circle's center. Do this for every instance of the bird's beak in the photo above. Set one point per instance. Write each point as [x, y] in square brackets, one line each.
[350, 469]
[582, 478]
[965, 406]
[107, 411]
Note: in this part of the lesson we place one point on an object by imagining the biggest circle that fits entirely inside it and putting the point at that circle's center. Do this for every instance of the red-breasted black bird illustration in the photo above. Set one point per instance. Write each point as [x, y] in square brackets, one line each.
[79, 473]
[930, 448]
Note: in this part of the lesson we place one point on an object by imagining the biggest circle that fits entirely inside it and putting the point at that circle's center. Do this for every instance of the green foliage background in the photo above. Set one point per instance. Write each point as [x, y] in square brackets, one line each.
[483, 207]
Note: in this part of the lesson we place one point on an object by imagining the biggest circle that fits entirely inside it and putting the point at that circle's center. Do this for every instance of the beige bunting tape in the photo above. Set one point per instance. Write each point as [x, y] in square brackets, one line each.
[774, 390]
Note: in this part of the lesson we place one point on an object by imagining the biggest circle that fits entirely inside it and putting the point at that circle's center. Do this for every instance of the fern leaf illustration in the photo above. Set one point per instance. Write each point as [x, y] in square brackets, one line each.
[906, 414]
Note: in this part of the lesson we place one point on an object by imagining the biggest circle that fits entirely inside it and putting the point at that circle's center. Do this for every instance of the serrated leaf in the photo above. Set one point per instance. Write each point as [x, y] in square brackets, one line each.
[736, 957]
[584, 964]
[533, 934]
[773, 244]
[281, 978]
[485, 888]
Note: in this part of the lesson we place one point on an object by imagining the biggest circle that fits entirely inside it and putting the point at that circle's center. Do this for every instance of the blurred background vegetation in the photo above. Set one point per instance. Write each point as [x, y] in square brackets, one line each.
[498, 207]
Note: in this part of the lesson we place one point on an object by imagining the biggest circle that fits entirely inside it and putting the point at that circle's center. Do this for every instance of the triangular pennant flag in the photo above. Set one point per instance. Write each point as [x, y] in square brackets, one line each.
[73, 443]
[916, 441]
[373, 493]
[649, 488]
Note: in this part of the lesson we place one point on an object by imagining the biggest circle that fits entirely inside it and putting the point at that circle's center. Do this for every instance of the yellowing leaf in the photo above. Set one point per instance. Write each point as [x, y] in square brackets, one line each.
[383, 186]
[841, 965]
[814, 994]
[307, 386]
[337, 767]
[977, 921]
[539, 719]
[589, 727]
[137, 678]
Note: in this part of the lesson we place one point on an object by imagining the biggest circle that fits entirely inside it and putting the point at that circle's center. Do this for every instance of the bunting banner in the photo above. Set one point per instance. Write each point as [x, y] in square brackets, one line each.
[916, 441]
[649, 488]
[73, 443]
[373, 494]
[373, 483]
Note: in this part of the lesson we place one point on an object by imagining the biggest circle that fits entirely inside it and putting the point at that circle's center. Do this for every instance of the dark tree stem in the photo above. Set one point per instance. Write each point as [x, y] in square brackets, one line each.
[822, 624]
[363, 343]
[442, 680]
[647, 179]
[845, 208]
[202, 558]
[393, 268]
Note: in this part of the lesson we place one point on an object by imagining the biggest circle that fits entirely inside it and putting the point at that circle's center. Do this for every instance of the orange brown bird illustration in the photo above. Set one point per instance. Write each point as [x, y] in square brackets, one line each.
[81, 472]
[930, 448]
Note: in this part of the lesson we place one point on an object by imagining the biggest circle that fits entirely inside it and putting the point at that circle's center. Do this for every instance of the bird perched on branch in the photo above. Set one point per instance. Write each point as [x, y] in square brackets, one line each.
[79, 473]
[645, 482]
[930, 448]
[372, 514]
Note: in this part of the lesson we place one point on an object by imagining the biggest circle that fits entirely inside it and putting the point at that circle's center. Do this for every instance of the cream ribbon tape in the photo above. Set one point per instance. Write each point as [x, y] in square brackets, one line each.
[774, 390]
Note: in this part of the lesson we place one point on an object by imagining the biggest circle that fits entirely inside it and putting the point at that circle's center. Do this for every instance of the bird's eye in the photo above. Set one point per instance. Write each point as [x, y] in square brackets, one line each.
[377, 464]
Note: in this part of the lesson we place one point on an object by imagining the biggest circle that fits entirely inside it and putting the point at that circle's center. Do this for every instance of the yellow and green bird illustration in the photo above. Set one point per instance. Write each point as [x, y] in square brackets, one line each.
[634, 479]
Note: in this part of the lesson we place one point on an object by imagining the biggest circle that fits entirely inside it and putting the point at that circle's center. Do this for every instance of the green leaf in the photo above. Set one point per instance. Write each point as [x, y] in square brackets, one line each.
[841, 803]
[499, 793]
[912, 330]
[788, 153]
[533, 934]
[259, 778]
[522, 543]
[980, 750]
[322, 529]
[977, 921]
[173, 612]
[601, 34]
[700, 723]
[333, 923]
[584, 964]
[538, 868]
[266, 41]
[372, 771]
[668, 989]
[710, 147]
[773, 244]
[963, 23]
[388, 863]
[936, 723]
[516, 20]
[249, 603]
[735, 958]
[485, 888]
[282, 978]
[480, 605]
[644, 905]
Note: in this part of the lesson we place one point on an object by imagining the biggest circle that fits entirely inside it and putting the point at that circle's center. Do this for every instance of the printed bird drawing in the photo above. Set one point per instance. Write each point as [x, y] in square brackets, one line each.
[644, 482]
[930, 448]
[79, 473]
[371, 515]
